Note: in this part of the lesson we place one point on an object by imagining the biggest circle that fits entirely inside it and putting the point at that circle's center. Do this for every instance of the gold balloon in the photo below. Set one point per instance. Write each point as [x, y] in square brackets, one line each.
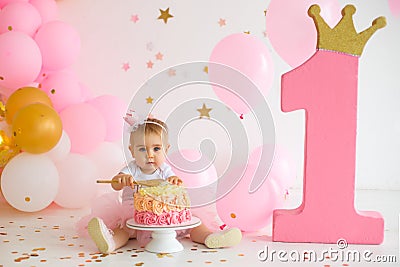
[23, 97]
[37, 128]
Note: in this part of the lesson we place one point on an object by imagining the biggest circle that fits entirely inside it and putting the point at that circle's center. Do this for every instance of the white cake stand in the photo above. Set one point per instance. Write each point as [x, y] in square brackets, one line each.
[164, 237]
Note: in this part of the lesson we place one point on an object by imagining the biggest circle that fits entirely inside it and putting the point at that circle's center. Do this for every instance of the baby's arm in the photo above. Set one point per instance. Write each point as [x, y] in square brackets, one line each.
[121, 180]
[175, 180]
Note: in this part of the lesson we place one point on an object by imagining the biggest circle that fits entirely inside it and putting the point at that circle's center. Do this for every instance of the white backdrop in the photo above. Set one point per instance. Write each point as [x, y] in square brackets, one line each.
[110, 39]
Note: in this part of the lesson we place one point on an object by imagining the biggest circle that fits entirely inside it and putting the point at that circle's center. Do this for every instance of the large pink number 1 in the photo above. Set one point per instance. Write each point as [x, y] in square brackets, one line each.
[326, 87]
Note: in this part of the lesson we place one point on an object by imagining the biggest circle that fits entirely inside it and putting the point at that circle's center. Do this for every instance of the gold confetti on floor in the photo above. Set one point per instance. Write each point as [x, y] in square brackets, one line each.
[52, 241]
[209, 251]
[21, 259]
[162, 255]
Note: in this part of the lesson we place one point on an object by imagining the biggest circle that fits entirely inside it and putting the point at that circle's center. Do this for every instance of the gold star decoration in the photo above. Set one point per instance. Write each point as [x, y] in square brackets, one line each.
[205, 69]
[247, 32]
[204, 111]
[149, 100]
[165, 15]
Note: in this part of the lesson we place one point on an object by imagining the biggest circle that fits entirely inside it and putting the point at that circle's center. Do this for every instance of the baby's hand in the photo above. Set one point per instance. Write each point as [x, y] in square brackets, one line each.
[122, 180]
[175, 180]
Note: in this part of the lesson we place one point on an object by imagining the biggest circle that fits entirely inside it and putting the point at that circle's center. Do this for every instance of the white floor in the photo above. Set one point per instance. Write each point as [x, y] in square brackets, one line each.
[47, 238]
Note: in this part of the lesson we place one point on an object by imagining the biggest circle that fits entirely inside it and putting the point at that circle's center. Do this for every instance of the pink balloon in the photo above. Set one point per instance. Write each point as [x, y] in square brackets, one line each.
[86, 93]
[394, 6]
[77, 181]
[85, 127]
[109, 160]
[113, 110]
[47, 9]
[5, 2]
[292, 32]
[42, 75]
[11, 18]
[282, 170]
[63, 89]
[235, 209]
[20, 60]
[248, 212]
[192, 180]
[249, 55]
[59, 43]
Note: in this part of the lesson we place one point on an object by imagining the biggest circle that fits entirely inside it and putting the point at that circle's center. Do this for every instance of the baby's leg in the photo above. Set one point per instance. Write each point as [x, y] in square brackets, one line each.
[121, 237]
[227, 238]
[200, 233]
[105, 239]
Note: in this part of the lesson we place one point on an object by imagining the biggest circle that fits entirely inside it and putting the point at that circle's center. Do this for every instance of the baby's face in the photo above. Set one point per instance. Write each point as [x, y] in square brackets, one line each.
[148, 150]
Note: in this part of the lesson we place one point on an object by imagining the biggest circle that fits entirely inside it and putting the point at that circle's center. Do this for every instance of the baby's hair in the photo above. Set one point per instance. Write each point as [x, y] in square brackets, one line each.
[153, 126]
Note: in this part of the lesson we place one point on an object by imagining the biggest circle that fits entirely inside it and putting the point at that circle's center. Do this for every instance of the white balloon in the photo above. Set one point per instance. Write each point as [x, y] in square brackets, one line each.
[61, 149]
[77, 181]
[109, 160]
[30, 182]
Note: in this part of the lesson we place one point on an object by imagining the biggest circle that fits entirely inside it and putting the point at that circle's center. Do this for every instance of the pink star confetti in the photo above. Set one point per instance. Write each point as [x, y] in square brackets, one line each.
[135, 18]
[149, 64]
[222, 22]
[159, 56]
[171, 72]
[126, 66]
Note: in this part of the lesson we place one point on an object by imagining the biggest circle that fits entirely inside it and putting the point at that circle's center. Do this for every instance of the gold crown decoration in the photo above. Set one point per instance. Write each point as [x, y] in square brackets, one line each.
[343, 37]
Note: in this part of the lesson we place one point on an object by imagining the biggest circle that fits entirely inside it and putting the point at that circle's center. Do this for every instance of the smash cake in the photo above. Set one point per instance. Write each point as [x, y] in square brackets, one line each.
[165, 204]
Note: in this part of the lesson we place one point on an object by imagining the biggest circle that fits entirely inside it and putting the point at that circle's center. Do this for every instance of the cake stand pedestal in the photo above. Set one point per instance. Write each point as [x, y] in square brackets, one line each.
[164, 237]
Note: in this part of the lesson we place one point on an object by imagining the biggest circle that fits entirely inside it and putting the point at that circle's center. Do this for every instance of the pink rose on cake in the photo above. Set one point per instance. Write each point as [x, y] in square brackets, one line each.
[164, 219]
[187, 214]
[139, 217]
[150, 218]
[175, 218]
